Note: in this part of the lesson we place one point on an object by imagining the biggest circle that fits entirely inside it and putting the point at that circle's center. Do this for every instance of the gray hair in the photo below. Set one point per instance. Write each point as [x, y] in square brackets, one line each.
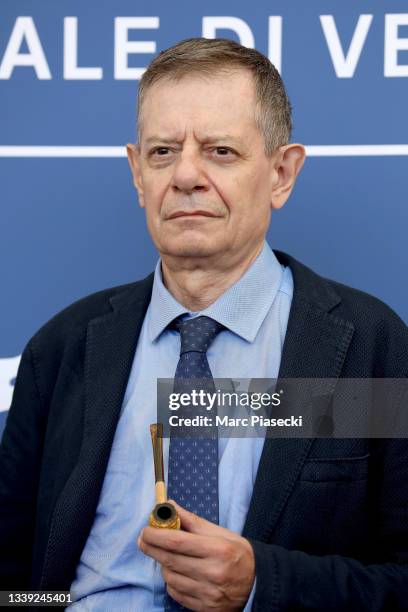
[208, 56]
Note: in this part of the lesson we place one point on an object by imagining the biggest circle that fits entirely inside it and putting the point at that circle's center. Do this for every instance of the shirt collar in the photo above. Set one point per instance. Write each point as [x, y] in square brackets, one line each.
[242, 308]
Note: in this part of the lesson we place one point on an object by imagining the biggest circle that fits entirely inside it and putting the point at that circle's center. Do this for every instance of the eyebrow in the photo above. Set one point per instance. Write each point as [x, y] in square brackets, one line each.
[160, 139]
[222, 138]
[205, 140]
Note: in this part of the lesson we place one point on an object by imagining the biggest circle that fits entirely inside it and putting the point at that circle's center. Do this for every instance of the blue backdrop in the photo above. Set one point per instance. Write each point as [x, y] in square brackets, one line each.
[72, 225]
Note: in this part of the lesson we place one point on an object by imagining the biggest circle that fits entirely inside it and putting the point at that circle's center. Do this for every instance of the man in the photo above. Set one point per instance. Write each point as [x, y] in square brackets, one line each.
[312, 524]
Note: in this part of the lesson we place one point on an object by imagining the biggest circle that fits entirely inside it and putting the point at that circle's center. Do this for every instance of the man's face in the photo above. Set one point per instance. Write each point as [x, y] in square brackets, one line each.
[201, 170]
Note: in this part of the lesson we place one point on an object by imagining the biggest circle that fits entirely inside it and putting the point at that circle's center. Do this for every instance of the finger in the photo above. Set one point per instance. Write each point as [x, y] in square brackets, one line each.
[203, 592]
[193, 523]
[189, 602]
[196, 524]
[180, 542]
[182, 584]
[193, 568]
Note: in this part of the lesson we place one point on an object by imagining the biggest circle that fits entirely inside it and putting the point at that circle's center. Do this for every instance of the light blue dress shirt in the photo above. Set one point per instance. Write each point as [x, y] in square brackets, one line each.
[113, 574]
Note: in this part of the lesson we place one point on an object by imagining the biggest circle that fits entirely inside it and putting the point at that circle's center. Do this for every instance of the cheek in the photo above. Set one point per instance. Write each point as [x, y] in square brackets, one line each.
[241, 191]
[155, 191]
[229, 187]
[258, 195]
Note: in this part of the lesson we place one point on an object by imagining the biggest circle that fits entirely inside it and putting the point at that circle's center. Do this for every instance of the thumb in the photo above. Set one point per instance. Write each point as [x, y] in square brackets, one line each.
[196, 524]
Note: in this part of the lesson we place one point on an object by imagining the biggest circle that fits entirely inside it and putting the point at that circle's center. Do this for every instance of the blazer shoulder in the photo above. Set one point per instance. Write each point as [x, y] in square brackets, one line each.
[379, 331]
[367, 309]
[357, 306]
[379, 334]
[72, 321]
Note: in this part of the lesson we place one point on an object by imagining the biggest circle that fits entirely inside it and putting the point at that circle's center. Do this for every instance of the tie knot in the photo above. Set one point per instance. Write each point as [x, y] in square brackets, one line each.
[196, 334]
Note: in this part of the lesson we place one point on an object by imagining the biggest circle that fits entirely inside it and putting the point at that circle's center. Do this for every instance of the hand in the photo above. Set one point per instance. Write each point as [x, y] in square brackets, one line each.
[206, 567]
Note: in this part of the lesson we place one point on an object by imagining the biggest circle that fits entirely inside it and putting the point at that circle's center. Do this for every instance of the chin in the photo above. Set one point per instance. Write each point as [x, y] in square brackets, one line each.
[183, 247]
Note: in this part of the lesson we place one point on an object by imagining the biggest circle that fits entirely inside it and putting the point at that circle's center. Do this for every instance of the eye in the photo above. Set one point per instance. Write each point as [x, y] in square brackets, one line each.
[223, 151]
[160, 151]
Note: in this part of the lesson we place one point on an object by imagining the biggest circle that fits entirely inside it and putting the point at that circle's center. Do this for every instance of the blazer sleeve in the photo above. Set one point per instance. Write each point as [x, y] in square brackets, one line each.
[20, 462]
[293, 580]
[290, 580]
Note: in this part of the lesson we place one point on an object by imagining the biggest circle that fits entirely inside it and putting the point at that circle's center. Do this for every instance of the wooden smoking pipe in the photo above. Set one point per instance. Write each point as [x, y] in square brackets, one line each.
[164, 514]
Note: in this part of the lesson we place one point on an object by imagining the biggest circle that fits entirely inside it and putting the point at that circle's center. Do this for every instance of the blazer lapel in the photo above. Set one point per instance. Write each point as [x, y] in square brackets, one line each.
[110, 347]
[315, 346]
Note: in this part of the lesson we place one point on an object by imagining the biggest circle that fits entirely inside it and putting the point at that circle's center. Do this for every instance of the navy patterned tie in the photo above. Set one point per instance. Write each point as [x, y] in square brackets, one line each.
[193, 460]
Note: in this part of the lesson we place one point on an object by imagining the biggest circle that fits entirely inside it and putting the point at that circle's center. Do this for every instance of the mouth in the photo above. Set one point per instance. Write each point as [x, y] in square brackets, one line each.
[196, 213]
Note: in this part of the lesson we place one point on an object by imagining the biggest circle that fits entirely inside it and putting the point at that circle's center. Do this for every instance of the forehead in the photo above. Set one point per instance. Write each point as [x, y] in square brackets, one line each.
[223, 102]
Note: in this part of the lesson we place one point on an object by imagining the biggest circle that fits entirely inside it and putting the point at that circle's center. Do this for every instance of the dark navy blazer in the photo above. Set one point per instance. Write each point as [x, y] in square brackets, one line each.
[328, 519]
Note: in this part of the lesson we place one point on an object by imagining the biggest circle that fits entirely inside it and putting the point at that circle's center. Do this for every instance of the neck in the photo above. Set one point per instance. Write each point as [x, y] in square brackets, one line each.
[196, 284]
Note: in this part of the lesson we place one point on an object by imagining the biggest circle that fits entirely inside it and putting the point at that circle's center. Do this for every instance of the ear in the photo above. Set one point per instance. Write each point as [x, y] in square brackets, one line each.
[133, 153]
[287, 165]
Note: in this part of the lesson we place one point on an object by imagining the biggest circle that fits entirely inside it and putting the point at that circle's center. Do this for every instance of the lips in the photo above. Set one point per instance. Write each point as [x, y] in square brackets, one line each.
[196, 213]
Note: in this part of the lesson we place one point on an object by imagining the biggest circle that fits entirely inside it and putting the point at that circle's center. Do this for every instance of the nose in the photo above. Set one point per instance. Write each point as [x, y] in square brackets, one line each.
[188, 173]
